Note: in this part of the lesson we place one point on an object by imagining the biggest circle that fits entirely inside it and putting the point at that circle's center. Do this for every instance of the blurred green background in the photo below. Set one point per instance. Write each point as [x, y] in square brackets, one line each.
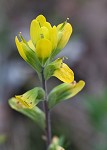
[82, 122]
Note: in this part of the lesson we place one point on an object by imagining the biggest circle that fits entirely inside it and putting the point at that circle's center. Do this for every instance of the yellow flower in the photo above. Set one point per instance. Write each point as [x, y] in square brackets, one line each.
[64, 33]
[43, 49]
[46, 40]
[44, 37]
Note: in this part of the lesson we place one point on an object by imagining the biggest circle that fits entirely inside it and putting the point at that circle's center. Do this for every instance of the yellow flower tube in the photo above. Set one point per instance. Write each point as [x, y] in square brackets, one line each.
[20, 49]
[41, 19]
[35, 31]
[64, 33]
[43, 50]
[44, 38]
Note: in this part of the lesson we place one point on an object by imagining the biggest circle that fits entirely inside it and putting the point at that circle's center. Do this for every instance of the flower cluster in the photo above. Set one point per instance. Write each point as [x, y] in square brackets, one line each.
[45, 43]
[45, 39]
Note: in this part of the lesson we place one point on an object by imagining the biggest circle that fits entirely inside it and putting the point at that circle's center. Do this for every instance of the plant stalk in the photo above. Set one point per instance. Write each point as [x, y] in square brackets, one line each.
[47, 113]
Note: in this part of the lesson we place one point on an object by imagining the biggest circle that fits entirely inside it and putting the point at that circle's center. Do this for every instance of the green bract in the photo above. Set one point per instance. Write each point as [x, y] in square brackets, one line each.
[26, 104]
[28, 54]
[59, 70]
[35, 113]
[64, 91]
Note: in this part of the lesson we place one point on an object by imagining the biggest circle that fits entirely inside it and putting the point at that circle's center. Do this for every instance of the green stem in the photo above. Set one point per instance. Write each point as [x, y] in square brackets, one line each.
[47, 113]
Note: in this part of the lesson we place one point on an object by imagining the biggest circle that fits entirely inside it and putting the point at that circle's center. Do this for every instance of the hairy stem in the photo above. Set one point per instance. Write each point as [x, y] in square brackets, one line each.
[47, 113]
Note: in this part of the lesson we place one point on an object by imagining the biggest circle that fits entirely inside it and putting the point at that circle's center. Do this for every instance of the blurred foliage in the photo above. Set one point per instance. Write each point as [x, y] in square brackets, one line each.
[97, 111]
[96, 107]
[3, 138]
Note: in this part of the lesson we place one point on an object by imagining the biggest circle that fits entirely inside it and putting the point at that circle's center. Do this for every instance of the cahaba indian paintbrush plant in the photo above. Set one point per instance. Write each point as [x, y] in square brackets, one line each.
[46, 41]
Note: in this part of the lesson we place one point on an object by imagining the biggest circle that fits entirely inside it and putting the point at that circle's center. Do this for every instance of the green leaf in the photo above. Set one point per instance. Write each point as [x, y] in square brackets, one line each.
[35, 113]
[64, 91]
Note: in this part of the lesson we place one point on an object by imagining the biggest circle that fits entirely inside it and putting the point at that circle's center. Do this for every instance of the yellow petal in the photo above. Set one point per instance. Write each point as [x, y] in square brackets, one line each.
[41, 19]
[53, 37]
[64, 35]
[77, 87]
[23, 102]
[43, 48]
[48, 25]
[59, 31]
[35, 31]
[64, 74]
[44, 32]
[20, 49]
[31, 45]
[59, 26]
